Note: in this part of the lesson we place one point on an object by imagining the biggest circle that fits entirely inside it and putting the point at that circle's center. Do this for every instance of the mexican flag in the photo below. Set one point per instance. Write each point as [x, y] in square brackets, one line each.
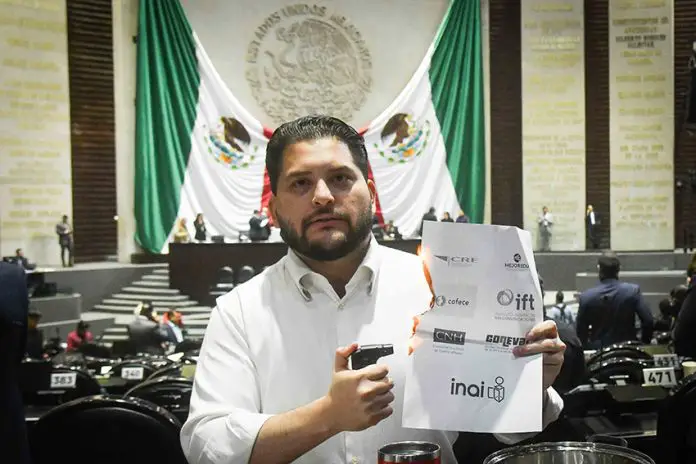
[198, 150]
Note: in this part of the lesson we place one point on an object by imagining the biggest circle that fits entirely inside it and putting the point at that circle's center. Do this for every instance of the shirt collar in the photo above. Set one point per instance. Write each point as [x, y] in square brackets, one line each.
[299, 271]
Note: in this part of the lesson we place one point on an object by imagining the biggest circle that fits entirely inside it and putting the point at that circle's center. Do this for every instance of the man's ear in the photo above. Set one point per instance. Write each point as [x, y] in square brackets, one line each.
[373, 192]
[271, 208]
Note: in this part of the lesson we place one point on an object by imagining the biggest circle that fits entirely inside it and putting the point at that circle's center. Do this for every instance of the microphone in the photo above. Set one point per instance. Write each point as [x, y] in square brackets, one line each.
[369, 354]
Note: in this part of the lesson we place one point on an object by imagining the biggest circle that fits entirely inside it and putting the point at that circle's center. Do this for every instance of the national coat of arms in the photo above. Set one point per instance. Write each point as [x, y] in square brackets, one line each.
[403, 139]
[230, 144]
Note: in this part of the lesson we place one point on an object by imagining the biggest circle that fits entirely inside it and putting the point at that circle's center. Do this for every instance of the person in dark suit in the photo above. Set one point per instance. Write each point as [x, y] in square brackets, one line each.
[14, 310]
[35, 338]
[65, 240]
[146, 334]
[429, 216]
[610, 309]
[201, 232]
[259, 227]
[22, 261]
[684, 334]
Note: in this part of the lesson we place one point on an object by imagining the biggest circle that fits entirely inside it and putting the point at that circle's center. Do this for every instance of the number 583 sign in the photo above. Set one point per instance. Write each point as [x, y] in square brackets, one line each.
[663, 376]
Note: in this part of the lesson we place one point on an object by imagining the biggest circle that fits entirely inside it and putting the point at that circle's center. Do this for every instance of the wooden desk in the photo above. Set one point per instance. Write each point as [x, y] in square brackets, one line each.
[193, 267]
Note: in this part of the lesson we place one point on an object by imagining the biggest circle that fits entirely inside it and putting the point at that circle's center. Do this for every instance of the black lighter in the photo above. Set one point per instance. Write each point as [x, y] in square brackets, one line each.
[369, 354]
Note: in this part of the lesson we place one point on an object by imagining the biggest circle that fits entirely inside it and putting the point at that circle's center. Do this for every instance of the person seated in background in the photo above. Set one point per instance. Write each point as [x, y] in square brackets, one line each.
[181, 235]
[462, 218]
[35, 338]
[199, 224]
[259, 227]
[429, 216]
[145, 332]
[611, 307]
[79, 336]
[560, 312]
[173, 325]
[446, 217]
[684, 333]
[22, 261]
[377, 229]
[391, 231]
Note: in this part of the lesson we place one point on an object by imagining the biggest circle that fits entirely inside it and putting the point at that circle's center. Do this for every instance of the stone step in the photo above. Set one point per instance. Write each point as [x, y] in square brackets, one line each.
[151, 283]
[156, 278]
[123, 330]
[122, 309]
[162, 271]
[139, 298]
[150, 290]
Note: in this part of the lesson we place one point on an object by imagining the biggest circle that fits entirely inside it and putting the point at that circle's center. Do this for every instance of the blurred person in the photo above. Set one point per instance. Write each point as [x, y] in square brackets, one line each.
[22, 261]
[611, 307]
[429, 216]
[259, 227]
[590, 226]
[65, 240]
[181, 234]
[145, 332]
[201, 232]
[35, 338]
[173, 325]
[14, 314]
[559, 312]
[691, 272]
[261, 396]
[545, 222]
[462, 218]
[446, 217]
[79, 336]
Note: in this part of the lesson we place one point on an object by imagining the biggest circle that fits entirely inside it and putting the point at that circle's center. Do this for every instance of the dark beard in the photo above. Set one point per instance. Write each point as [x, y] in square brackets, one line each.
[318, 252]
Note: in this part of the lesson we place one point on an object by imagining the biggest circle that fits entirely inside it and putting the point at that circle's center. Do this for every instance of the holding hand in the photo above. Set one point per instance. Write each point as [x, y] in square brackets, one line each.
[358, 399]
[543, 338]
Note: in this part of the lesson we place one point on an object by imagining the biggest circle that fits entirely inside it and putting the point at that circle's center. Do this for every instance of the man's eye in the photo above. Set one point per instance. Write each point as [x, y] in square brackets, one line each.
[341, 179]
[300, 183]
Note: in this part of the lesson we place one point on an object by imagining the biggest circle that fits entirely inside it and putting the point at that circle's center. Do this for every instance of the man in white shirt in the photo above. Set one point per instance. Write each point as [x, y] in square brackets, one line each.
[271, 385]
[545, 224]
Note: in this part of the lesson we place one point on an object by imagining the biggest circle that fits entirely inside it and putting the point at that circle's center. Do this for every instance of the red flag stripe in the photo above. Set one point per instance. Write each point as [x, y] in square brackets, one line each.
[266, 193]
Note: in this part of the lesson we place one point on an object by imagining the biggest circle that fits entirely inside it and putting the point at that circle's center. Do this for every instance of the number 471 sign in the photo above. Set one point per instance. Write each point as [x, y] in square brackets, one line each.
[663, 376]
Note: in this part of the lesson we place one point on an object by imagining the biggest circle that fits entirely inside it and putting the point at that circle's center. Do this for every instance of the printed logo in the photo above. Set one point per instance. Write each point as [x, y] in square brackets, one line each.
[480, 391]
[517, 263]
[521, 301]
[458, 261]
[443, 300]
[230, 144]
[403, 138]
[451, 337]
[504, 341]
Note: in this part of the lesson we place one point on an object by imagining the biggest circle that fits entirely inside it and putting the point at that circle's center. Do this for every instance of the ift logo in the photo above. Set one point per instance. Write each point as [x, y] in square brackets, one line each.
[495, 392]
[522, 301]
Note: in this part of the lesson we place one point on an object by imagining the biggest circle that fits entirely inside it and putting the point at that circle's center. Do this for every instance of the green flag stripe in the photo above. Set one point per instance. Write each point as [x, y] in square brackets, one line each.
[166, 106]
[456, 78]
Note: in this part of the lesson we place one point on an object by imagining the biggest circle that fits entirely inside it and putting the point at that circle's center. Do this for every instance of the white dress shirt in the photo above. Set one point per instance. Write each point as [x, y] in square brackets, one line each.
[270, 346]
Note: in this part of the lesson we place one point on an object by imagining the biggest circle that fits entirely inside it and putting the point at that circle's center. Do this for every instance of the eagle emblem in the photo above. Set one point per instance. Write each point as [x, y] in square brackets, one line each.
[230, 143]
[402, 139]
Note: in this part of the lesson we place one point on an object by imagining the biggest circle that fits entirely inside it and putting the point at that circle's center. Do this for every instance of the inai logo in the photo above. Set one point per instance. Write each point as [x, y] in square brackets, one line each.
[517, 264]
[496, 392]
[443, 300]
[459, 261]
[451, 337]
[523, 301]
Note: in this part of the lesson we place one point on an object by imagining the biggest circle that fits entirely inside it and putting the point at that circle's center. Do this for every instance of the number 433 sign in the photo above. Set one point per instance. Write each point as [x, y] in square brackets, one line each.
[663, 376]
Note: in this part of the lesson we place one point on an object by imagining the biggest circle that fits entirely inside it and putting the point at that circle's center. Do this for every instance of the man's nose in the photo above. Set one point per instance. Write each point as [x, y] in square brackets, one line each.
[322, 194]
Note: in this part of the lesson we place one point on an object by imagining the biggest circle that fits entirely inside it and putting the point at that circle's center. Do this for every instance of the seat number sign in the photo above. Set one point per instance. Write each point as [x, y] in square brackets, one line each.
[63, 380]
[663, 376]
[132, 373]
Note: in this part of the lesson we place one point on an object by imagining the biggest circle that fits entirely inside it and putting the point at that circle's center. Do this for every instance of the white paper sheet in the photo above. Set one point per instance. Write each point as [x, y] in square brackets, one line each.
[462, 375]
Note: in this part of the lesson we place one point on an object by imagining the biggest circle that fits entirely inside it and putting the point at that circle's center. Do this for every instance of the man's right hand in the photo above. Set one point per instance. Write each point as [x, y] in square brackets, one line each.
[358, 399]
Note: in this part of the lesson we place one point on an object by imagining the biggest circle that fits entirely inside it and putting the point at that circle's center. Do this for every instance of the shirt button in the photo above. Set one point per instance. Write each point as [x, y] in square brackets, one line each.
[354, 460]
[340, 306]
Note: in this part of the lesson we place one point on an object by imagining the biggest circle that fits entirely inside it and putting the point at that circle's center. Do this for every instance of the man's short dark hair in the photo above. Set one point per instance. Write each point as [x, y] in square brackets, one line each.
[559, 296]
[609, 266]
[310, 128]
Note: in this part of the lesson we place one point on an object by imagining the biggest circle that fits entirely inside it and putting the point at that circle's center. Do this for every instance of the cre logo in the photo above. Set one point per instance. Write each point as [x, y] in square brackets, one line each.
[458, 261]
[496, 392]
[506, 297]
[517, 264]
[505, 341]
[442, 300]
[451, 337]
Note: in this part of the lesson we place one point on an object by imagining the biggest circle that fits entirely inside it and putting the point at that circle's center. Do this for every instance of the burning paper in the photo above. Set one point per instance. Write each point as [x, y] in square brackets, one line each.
[462, 374]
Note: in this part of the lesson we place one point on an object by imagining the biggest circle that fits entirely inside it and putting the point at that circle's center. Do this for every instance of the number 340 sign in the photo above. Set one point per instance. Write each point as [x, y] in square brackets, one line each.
[663, 376]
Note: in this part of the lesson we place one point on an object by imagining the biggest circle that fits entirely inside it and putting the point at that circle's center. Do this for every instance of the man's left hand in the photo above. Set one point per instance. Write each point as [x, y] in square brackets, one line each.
[543, 338]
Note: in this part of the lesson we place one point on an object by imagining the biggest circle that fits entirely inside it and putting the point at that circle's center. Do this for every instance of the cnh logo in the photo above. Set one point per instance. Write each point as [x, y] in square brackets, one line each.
[442, 300]
[496, 392]
[461, 261]
[517, 264]
[506, 297]
[449, 336]
[505, 341]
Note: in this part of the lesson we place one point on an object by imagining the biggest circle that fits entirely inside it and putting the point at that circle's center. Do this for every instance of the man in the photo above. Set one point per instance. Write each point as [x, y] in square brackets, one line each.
[560, 312]
[429, 216]
[590, 224]
[35, 338]
[65, 240]
[610, 309]
[172, 326]
[14, 308]
[545, 224]
[145, 333]
[462, 218]
[270, 384]
[80, 336]
[22, 261]
[259, 227]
